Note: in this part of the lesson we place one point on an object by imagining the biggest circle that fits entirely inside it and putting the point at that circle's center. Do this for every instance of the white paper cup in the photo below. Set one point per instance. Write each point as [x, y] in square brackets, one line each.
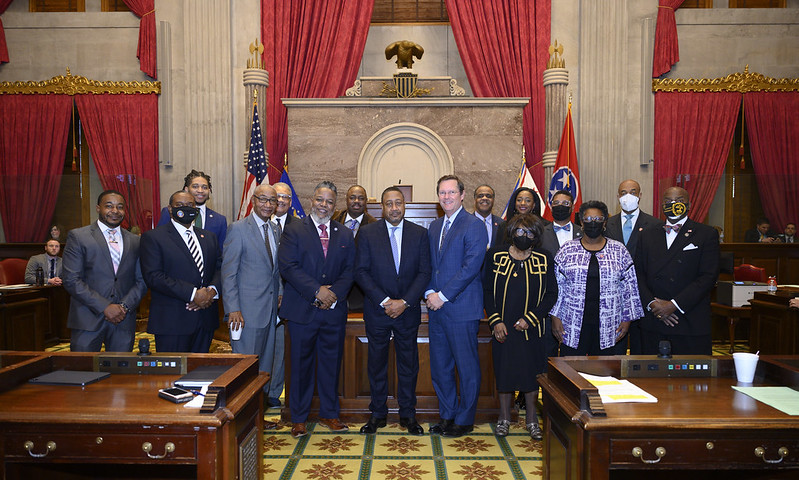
[235, 334]
[745, 365]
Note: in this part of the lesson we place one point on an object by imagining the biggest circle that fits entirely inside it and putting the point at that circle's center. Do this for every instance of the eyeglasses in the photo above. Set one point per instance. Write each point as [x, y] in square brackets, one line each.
[565, 203]
[283, 196]
[599, 219]
[265, 199]
[523, 232]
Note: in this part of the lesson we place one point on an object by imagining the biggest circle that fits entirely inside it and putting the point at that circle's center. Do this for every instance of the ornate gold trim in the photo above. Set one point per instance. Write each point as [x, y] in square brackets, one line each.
[77, 85]
[742, 82]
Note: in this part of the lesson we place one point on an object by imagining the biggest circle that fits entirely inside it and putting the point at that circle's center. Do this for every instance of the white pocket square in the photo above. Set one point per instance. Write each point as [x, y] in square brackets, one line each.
[690, 246]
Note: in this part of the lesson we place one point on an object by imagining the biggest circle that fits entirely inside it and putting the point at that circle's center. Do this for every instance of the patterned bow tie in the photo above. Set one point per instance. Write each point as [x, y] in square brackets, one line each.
[670, 228]
[567, 227]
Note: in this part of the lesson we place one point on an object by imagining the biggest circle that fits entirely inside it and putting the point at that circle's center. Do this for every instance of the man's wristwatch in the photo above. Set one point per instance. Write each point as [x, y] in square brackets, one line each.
[407, 305]
[124, 307]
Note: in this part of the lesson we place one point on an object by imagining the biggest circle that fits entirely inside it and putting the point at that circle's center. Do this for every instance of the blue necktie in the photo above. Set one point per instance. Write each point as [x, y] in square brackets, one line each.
[567, 227]
[627, 230]
[395, 248]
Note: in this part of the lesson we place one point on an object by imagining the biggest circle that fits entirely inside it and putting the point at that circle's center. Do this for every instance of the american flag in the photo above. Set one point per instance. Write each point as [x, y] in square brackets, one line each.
[256, 165]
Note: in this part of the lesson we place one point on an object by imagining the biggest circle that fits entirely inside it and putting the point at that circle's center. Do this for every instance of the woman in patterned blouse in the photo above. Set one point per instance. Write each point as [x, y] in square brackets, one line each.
[597, 290]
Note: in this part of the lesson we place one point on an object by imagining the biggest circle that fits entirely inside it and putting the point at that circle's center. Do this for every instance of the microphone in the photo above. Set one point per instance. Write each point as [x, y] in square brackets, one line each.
[144, 347]
[664, 349]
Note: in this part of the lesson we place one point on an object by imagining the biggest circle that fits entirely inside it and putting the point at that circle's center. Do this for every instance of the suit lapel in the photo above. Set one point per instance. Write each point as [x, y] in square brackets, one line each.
[310, 227]
[177, 239]
[255, 236]
[454, 225]
[102, 244]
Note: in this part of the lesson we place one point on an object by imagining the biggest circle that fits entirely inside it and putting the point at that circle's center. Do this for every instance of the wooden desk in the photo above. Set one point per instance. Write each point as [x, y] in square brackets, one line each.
[119, 428]
[775, 326]
[732, 314]
[707, 429]
[33, 318]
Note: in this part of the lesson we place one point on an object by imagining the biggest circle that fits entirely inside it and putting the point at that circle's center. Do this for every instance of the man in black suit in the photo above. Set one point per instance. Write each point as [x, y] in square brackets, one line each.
[281, 216]
[789, 234]
[198, 184]
[393, 268]
[627, 232]
[677, 269]
[181, 264]
[354, 217]
[316, 258]
[561, 230]
[760, 234]
[483, 210]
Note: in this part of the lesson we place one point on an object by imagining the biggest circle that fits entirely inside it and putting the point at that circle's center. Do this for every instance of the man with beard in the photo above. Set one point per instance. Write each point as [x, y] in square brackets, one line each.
[198, 184]
[101, 272]
[49, 262]
[677, 269]
[316, 258]
[354, 217]
[483, 210]
[180, 263]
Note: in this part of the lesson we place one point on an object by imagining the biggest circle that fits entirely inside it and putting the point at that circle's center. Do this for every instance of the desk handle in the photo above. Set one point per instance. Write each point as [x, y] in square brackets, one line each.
[148, 447]
[760, 452]
[29, 446]
[638, 453]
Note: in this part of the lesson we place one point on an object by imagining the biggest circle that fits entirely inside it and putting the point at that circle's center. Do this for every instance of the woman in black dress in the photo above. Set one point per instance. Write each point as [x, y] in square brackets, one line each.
[520, 288]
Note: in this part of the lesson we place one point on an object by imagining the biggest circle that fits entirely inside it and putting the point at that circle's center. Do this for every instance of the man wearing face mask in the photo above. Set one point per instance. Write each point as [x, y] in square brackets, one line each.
[198, 184]
[625, 227]
[677, 266]
[181, 263]
[561, 230]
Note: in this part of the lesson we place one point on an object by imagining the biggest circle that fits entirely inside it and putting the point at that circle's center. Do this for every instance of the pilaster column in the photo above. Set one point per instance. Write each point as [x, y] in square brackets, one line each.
[556, 81]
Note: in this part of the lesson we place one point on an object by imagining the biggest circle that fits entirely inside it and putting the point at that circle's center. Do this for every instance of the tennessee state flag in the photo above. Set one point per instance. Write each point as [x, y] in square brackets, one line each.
[566, 175]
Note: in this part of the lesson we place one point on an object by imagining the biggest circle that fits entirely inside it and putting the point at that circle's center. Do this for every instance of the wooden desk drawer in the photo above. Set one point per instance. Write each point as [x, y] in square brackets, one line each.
[705, 451]
[103, 445]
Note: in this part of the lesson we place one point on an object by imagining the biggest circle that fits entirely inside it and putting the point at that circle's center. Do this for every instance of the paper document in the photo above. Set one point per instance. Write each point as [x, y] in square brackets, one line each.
[613, 390]
[198, 400]
[784, 399]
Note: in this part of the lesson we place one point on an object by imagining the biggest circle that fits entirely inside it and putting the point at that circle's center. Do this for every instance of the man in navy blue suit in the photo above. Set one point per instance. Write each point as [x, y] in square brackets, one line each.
[455, 305]
[198, 184]
[181, 263]
[316, 258]
[393, 269]
[484, 211]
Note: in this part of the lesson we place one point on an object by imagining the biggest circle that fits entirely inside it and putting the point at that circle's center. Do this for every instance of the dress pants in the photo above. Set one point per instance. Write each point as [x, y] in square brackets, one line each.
[454, 345]
[116, 339]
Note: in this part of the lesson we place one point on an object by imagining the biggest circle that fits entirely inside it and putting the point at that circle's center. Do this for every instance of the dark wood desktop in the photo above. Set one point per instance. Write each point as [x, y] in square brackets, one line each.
[120, 428]
[699, 428]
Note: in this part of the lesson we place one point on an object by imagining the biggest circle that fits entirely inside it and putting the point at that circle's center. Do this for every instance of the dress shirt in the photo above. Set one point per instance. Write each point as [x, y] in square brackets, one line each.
[272, 240]
[489, 224]
[451, 221]
[105, 228]
[358, 219]
[329, 233]
[281, 220]
[202, 209]
[182, 232]
[671, 236]
[564, 235]
[398, 236]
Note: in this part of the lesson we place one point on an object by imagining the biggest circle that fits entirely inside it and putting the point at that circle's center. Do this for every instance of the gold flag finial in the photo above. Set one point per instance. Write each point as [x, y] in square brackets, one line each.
[285, 161]
[556, 56]
[256, 50]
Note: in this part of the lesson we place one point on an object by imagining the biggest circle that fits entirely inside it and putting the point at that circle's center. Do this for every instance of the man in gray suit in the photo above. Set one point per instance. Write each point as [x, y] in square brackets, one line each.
[49, 262]
[102, 275]
[252, 289]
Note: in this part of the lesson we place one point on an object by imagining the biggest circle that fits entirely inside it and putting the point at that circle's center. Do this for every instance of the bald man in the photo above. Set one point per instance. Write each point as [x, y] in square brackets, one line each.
[677, 266]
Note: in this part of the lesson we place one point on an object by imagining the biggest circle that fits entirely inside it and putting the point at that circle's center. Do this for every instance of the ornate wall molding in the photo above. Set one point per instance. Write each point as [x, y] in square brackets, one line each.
[76, 85]
[742, 82]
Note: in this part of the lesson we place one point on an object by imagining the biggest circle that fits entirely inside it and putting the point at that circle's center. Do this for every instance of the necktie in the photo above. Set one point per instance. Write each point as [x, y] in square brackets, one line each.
[198, 222]
[279, 229]
[195, 252]
[268, 245]
[670, 228]
[395, 248]
[354, 226]
[116, 252]
[489, 229]
[567, 227]
[324, 239]
[627, 229]
[52, 268]
[444, 233]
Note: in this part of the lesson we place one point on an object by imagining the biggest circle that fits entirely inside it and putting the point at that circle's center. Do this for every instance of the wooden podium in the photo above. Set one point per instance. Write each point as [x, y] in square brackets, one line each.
[120, 428]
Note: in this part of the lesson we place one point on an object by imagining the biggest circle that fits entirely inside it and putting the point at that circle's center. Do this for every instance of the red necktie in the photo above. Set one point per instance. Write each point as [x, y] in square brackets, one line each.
[324, 238]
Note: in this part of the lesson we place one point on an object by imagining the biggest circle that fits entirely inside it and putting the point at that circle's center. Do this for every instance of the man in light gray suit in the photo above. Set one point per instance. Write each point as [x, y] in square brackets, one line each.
[252, 290]
[101, 272]
[49, 262]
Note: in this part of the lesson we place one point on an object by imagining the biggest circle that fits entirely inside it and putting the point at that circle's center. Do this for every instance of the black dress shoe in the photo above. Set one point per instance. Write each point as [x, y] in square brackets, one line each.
[456, 430]
[373, 424]
[443, 424]
[412, 425]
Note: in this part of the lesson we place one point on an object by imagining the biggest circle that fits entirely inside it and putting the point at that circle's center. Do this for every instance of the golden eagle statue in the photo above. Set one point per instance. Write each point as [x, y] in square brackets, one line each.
[405, 50]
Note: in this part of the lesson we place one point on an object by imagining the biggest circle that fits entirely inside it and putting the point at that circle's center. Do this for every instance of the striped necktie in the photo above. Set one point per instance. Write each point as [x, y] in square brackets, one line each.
[444, 234]
[116, 252]
[195, 253]
[324, 238]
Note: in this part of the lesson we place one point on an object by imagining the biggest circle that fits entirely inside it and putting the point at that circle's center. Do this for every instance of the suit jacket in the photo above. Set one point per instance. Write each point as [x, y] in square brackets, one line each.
[457, 266]
[686, 273]
[88, 275]
[172, 275]
[341, 215]
[377, 276]
[781, 237]
[250, 278]
[214, 222]
[305, 268]
[41, 260]
[497, 229]
[549, 239]
[614, 229]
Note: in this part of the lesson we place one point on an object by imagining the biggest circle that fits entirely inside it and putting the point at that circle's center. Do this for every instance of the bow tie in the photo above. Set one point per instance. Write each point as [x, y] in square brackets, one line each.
[567, 227]
[670, 228]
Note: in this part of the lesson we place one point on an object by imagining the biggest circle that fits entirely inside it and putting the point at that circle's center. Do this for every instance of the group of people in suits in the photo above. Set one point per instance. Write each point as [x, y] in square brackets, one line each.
[762, 233]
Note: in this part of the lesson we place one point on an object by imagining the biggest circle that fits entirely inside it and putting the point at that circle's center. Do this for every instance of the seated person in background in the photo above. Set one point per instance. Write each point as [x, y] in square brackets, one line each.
[50, 263]
[761, 234]
[55, 232]
[789, 234]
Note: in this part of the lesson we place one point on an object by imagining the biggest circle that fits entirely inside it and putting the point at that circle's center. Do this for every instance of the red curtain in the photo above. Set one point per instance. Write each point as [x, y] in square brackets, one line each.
[122, 134]
[773, 126]
[667, 49]
[312, 50]
[693, 133]
[146, 52]
[33, 144]
[504, 46]
[3, 46]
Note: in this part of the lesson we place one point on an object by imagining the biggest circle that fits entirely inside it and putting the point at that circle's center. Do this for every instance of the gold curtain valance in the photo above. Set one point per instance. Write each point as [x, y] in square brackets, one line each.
[77, 85]
[742, 82]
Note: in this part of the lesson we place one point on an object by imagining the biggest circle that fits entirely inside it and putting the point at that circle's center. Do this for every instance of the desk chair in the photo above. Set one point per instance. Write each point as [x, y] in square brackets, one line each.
[12, 271]
[750, 273]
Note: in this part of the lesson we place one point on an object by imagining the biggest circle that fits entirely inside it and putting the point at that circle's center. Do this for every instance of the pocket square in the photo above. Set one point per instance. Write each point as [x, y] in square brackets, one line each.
[690, 246]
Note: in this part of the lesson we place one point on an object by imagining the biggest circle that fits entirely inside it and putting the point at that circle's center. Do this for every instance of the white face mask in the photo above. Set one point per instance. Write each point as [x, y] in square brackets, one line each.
[628, 202]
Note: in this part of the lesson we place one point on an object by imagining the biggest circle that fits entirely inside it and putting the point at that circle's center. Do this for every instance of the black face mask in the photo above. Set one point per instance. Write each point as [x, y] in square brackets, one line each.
[561, 212]
[593, 229]
[185, 215]
[674, 211]
[523, 243]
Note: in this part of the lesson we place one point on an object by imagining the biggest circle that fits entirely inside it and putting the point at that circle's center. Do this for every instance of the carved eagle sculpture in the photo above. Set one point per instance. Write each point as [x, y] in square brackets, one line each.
[405, 50]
